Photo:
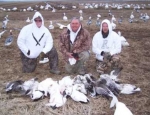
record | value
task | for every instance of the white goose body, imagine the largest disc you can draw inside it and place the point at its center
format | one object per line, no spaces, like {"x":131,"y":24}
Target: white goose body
{"x":76,"y":95}
{"x":43,"y":85}
{"x":56,"y":98}
{"x":129,"y":89}
{"x":121,"y":109}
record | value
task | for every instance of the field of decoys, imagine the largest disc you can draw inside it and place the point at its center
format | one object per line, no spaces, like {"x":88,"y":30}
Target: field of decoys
{"x":121,"y":92}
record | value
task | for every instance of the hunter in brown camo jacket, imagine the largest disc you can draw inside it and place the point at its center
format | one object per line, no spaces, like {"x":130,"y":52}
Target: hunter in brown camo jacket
{"x":82,"y":42}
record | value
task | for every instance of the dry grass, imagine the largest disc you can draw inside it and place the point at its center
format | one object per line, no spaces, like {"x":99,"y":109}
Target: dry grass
{"x":135,"y":59}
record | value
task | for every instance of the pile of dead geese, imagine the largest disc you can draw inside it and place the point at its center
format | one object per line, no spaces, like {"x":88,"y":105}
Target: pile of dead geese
{"x":77,"y":87}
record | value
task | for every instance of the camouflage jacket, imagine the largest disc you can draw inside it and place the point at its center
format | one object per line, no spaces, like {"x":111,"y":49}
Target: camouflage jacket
{"x":82,"y":42}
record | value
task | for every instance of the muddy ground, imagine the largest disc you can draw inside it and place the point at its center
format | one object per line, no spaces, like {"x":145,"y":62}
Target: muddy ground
{"x":135,"y":59}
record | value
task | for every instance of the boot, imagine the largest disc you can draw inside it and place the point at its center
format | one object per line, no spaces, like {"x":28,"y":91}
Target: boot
{"x":81,"y":68}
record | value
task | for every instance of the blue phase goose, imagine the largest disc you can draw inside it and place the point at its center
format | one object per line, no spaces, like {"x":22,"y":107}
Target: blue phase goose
{"x":9,"y":39}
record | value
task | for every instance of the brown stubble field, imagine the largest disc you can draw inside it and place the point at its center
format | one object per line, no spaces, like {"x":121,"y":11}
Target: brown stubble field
{"x":135,"y":59}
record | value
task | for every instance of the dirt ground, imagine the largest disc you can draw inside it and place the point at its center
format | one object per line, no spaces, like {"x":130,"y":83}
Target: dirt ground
{"x":135,"y":59}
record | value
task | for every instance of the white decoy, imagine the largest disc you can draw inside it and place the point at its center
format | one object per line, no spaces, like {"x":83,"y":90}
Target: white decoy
{"x":41,"y":7}
{"x":128,"y":89}
{"x":106,"y":6}
{"x":61,"y":26}
{"x":89,"y":21}
{"x":2,"y":33}
{"x":76,"y":95}
{"x":123,"y":40}
{"x":14,"y":9}
{"x":24,"y":10}
{"x":80,"y":11}
{"x":9,"y":39}
{"x":98,"y":23}
{"x":65,"y":17}
{"x":81,"y":17}
{"x":98,"y":15}
{"x":131,"y":16}
{"x":113,"y":25}
{"x":109,"y":13}
{"x":113,"y":18}
{"x":51,"y":26}
{"x":121,"y":109}
{"x":4,"y":23}
{"x":74,"y":7}
{"x":54,"y":10}
{"x":146,"y":16}
{"x":28,"y":20}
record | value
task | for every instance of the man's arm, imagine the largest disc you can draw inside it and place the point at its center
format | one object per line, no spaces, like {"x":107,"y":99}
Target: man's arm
{"x":21,"y":41}
{"x":62,"y":45}
{"x":95,"y":47}
{"x":49,"y":43}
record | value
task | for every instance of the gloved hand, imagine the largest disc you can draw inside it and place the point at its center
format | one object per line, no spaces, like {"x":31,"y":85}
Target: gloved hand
{"x":28,"y":53}
{"x":75,"y":55}
{"x":42,"y":55}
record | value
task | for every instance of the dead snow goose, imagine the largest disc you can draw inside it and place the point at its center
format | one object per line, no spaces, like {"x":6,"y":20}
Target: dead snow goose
{"x":14,"y":86}
{"x":128,"y":89}
{"x":121,"y":109}
{"x":76,"y":95}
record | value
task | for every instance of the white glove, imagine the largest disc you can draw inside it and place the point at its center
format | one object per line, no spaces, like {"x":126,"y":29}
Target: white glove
{"x":72,"y":61}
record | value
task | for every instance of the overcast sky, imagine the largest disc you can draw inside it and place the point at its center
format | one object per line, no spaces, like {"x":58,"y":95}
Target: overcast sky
{"x":38,"y":0}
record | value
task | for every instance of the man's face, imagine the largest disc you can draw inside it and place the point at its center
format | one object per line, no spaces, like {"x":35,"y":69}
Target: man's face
{"x":38,"y":22}
{"x":75,"y":24}
{"x":105,"y":27}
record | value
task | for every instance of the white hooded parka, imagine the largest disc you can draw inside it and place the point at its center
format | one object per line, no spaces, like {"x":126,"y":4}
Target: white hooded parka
{"x":110,"y":44}
{"x":26,"y":39}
